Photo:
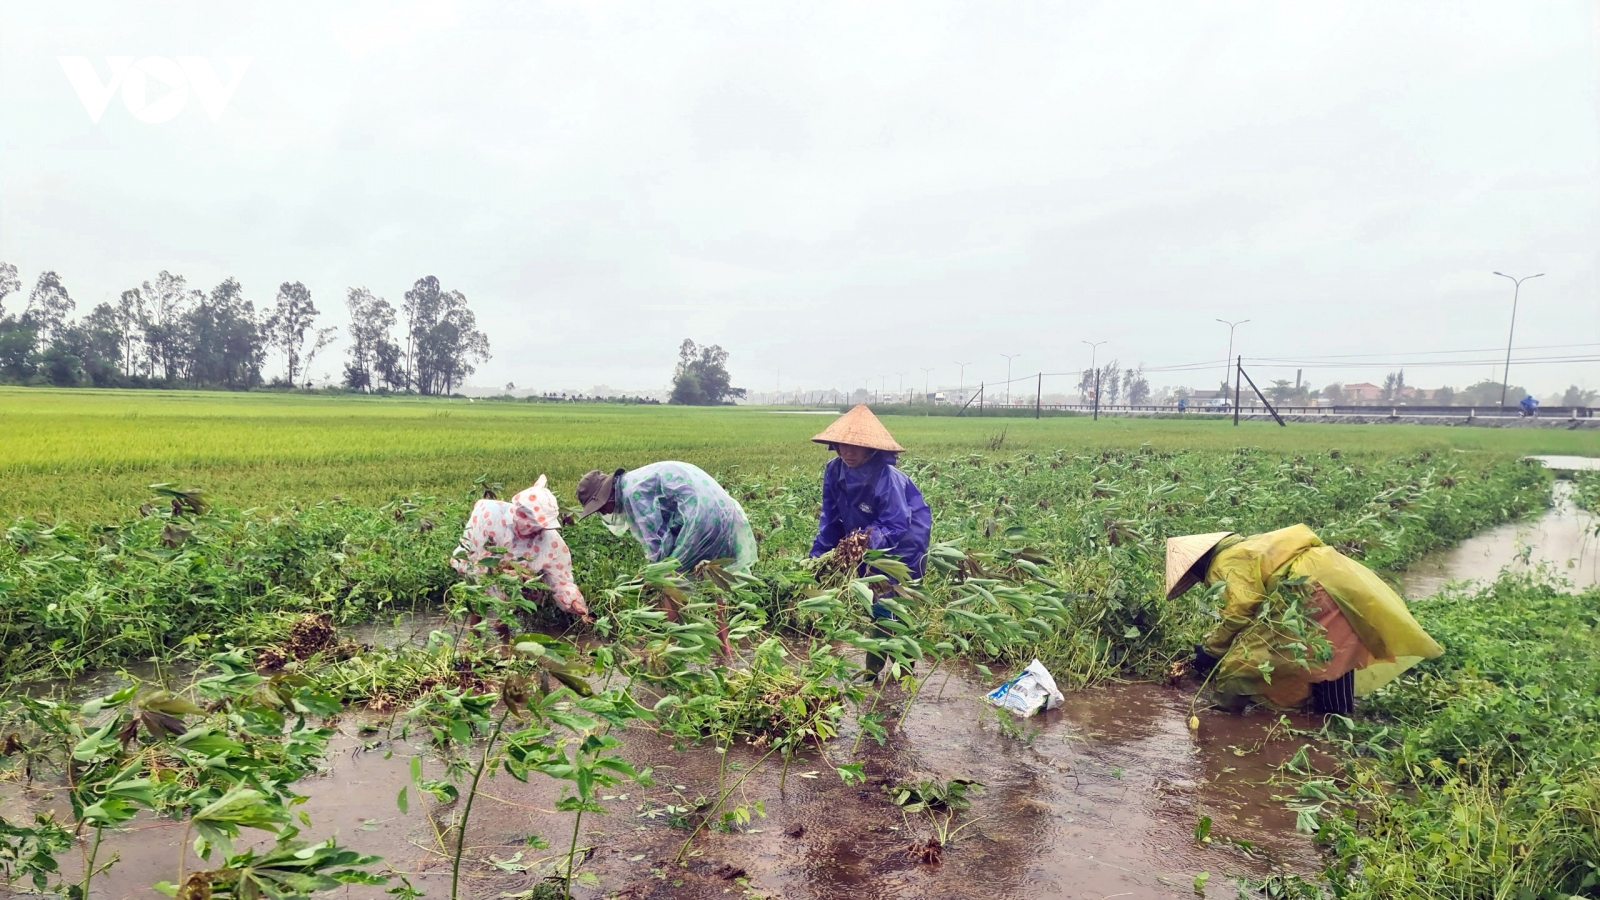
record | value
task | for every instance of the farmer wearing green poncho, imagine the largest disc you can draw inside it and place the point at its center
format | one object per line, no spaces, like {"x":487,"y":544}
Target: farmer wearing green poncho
{"x":1368,"y":627}
{"x":674,"y":510}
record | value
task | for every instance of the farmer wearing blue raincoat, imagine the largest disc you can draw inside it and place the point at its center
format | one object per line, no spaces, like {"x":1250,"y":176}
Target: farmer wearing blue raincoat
{"x":864,"y":491}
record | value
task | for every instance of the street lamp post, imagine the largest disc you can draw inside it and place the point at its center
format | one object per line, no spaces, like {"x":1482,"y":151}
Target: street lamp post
{"x":1505,"y":380}
{"x":902,"y":395}
{"x":1009,"y":357}
{"x":1229,"y":357}
{"x":1094,"y":348}
{"x":927,"y":372}
{"x":961,"y":382}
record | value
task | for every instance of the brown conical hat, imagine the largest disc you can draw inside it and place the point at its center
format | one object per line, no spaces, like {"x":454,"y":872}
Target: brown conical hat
{"x":861,"y":428}
{"x":1184,"y":555}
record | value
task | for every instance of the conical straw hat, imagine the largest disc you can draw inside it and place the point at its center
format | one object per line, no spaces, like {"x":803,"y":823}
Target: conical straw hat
{"x":1184,"y":555}
{"x":861,"y":428}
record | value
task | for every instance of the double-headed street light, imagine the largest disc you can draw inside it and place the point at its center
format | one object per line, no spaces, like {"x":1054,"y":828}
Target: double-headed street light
{"x":1228,"y":361}
{"x":1094,"y":348}
{"x":1505,"y":379}
{"x":1009,"y":357}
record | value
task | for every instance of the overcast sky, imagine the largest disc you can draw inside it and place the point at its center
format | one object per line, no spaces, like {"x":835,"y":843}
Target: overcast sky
{"x":845,"y":190}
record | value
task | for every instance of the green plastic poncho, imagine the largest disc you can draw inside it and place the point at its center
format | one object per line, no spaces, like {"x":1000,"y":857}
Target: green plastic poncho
{"x":1368,"y":624}
{"x":676,"y":510}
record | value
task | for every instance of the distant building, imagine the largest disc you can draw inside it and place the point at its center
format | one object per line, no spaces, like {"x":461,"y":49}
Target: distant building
{"x":1362,"y":392}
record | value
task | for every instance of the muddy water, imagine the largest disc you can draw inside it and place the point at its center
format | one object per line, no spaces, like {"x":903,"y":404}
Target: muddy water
{"x":1564,"y":541}
{"x":1097,"y":799}
{"x":1570,"y":463}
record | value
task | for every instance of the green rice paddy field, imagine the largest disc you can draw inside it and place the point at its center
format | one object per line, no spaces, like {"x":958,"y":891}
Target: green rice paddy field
{"x":91,"y":455}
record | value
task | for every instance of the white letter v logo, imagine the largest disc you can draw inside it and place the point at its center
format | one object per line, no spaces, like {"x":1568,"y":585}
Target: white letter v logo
{"x":94,"y":95}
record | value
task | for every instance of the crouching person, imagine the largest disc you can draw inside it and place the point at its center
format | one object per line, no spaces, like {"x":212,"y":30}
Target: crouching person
{"x":674,"y":510}
{"x":1371,"y":632}
{"x":525,"y":535}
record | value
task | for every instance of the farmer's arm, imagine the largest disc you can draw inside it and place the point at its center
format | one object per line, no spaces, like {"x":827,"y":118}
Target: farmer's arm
{"x":1243,"y":589}
{"x":647,"y":518}
{"x":471,"y":549}
{"x":902,"y":523}
{"x":557,"y":574}
{"x":891,"y":521}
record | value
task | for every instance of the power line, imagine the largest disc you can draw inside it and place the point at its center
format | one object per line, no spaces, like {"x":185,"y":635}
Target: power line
{"x":1418,"y":353}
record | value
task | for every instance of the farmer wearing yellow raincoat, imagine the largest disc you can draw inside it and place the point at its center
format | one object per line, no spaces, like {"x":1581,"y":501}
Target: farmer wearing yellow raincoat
{"x":1371,"y":632}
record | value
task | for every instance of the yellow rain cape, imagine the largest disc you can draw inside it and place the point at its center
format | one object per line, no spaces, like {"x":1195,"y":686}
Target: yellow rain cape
{"x":1251,"y":567}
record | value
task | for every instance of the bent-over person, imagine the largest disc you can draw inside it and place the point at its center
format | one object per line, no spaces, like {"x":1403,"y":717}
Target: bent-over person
{"x":1371,"y":632}
{"x":526,"y":534}
{"x":675,"y":511}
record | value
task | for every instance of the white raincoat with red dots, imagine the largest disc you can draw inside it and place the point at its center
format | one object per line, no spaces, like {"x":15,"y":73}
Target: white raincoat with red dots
{"x":525,"y":531}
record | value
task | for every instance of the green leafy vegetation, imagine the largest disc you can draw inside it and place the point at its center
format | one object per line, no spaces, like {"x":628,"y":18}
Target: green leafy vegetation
{"x":1476,"y":776}
{"x":1586,"y":491}
{"x":186,"y":580}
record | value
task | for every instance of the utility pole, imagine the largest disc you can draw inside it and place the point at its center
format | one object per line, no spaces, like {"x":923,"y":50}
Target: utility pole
{"x":927,"y":372}
{"x":1238,"y":376}
{"x":1229,"y":357}
{"x":1009,"y":357}
{"x":1505,"y":380}
{"x":961,"y":385}
{"x":902,"y":377}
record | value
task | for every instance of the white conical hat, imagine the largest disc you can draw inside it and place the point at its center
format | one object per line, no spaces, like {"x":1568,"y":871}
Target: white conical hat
{"x":1183,"y":557}
{"x":861,"y":428}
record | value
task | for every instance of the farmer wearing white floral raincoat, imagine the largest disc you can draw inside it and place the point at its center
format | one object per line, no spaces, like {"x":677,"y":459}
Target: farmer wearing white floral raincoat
{"x":525,"y":534}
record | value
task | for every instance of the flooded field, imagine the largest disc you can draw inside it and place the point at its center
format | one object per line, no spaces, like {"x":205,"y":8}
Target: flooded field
{"x":1097,"y":799}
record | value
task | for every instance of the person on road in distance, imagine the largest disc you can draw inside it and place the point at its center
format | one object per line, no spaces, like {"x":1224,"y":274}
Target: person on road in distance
{"x":675,"y":510}
{"x":1372,"y":634}
{"x":863,"y":490}
{"x":1529,"y":404}
{"x":526,"y":534}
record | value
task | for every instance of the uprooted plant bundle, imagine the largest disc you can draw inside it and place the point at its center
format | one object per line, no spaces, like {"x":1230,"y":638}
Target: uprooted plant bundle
{"x":1055,"y":556}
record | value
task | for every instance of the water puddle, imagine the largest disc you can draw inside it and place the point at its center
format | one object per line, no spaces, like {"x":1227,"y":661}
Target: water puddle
{"x":1565,"y":540}
{"x":1570,"y":463}
{"x":1097,"y":799}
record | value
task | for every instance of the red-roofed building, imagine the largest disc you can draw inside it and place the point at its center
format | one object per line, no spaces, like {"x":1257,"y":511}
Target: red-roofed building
{"x":1362,"y":392}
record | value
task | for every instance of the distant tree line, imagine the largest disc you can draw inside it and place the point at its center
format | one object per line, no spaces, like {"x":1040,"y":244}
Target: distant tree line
{"x":165,"y":334}
{"x":1115,"y":384}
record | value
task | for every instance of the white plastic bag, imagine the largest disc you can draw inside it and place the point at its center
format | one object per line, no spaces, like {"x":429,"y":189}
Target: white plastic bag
{"x":1028,"y":693}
